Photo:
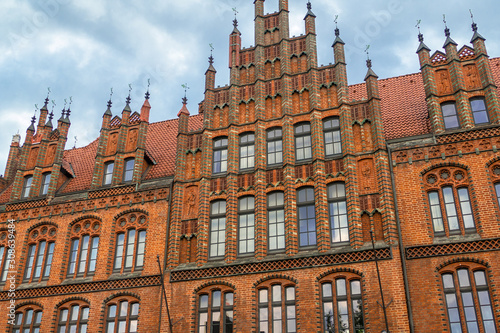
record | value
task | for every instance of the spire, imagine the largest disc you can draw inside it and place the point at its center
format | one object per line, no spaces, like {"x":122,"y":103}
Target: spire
{"x":32,"y":126}
{"x":476,"y":35}
{"x":337,"y":33}
{"x":146,"y":96}
{"x":422,"y":45}
{"x":63,"y":114}
{"x":235,"y":22}
{"x":309,"y":11}
{"x":211,"y":60}
{"x":128,"y":99}
{"x":68,"y":111}
{"x":184,"y":109}
{"x":449,"y":40}
{"x":370,"y":71}
{"x":146,"y":107}
{"x":108,"y":110}
{"x":46,"y":101}
{"x":51,"y":116}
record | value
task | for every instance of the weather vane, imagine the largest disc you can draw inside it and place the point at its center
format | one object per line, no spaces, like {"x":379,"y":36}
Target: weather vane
{"x":149,"y":83}
{"x":336,"y":19}
{"x":76,"y":139}
{"x":65,"y":102}
{"x":418,"y":25}
{"x":36,"y":108}
{"x":129,"y":88}
{"x":185,"y":86}
{"x":471,"y":15}
{"x":366,"y":51}
{"x":70,"y":101}
{"x":211,"y":47}
{"x":444,"y":20}
{"x":235,"y":11}
{"x":48,"y":92}
{"x":111,"y":94}
{"x":53,"y":105}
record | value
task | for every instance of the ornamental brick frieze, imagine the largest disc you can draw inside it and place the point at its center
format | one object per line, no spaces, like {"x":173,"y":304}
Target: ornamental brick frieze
{"x":42,"y":209}
{"x":416,"y":252}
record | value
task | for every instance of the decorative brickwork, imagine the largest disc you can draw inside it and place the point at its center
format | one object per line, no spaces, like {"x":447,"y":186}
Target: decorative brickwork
{"x":454,"y":248}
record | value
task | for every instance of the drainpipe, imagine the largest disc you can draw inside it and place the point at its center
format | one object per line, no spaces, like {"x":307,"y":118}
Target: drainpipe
{"x":401,"y":247}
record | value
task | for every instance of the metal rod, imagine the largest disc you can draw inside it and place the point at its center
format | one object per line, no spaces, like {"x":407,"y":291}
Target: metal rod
{"x":164,"y":293}
{"x":379,"y":282}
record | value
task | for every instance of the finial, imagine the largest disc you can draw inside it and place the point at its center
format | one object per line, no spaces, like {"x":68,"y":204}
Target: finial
{"x":53,"y":105}
{"x":309,"y":6}
{"x":337,"y":31}
{"x":68,"y":111}
{"x":76,"y":140}
{"x":147,"y":92}
{"x":235,"y":21}
{"x":33,"y":119}
{"x":109,"y":102}
{"x":211,"y":58}
{"x":129,"y":90}
{"x":51,"y":115}
{"x":420,"y":36}
{"x":474,"y":25}
{"x":185,"y":86}
{"x":47,"y":98}
{"x":446,"y":30}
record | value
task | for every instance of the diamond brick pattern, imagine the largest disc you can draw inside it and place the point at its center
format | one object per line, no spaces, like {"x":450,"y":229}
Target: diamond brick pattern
{"x":27,"y":205}
{"x":252,"y":268}
{"x":469,"y":135}
{"x":455,"y":248}
{"x":143,"y":281}
{"x":111,"y":192}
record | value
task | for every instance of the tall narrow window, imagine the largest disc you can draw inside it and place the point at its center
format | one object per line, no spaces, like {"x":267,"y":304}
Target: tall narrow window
{"x":497,"y":189}
{"x":73,"y":317}
{"x":40,"y":254}
{"x":337,"y":207}
{"x":83,"y":248}
{"x":215,"y":312}
{"x":130,"y":244}
{"x":217,"y":228}
{"x":108,"y":173}
{"x":247,"y":151}
{"x":306,"y":216}
{"x":5,"y":256}
{"x":274,"y":146}
{"x":450,"y":116}
{"x":45,"y":183}
{"x":28,"y":180}
{"x":342,"y":306}
{"x":303,"y":145}
{"x":128,"y":169}
{"x":28,"y":320}
{"x":122,"y":316}
{"x":220,"y":156}
{"x":464,"y":308}
{"x":449,"y":201}
{"x":246,"y":225}
{"x":331,"y":131}
{"x":276,"y":221}
{"x":479,"y":111}
{"x":277,"y":309}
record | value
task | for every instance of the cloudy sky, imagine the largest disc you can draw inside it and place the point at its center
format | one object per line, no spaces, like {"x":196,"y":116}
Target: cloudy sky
{"x":82,"y":48}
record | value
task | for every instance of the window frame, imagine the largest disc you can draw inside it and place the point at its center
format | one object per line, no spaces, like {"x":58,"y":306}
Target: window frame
{"x":247,"y":142}
{"x":80,"y":259}
{"x":246,"y":214}
{"x":332,"y":130}
{"x":476,"y":112}
{"x":107,"y":177}
{"x":277,"y":301}
{"x":115,"y":317}
{"x":39,"y":258}
{"x":27,"y":186}
{"x":272,"y":141}
{"x":65,"y":317}
{"x":44,"y":186}
{"x":301,"y":134}
{"x":128,"y":173}
{"x":225,"y":310}
{"x":336,"y":214}
{"x":271,"y":210}
{"x":221,"y":231}
{"x":220,"y":148}
{"x":130,"y":248}
{"x":21,"y":318}
{"x":453,"y":114}
{"x":307,"y":204}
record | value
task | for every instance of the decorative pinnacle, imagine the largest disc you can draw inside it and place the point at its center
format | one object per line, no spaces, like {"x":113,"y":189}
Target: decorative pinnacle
{"x":446,"y":30}
{"x":337,"y":31}
{"x":147,"y":92}
{"x":47,"y":98}
{"x":235,"y":21}
{"x":211,"y":60}
{"x":309,"y":6}
{"x":128,"y":99}
{"x":109,"y":102}
{"x":51,"y":115}
{"x":185,"y":86}
{"x":53,"y":105}
{"x":474,"y":25}
{"x":33,"y":119}
{"x":368,"y":54}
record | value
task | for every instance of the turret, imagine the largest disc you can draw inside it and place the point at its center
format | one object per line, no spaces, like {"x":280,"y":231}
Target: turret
{"x":146,"y":107}
{"x":234,"y":51}
{"x":183,"y":117}
{"x":340,"y":68}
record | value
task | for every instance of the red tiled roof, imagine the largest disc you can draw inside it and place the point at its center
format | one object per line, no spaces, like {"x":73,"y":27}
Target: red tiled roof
{"x":82,"y":162}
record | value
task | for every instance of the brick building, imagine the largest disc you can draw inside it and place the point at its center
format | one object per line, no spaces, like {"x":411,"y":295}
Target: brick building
{"x":293,"y":202}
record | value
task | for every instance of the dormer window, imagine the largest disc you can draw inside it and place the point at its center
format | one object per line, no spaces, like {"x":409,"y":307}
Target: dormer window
{"x":450,"y":116}
{"x":45,"y":183}
{"x":28,"y":180}
{"x":479,"y":111}
{"x":128,"y":170}
{"x":108,"y":173}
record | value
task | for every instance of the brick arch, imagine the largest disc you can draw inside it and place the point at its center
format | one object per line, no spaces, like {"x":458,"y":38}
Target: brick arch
{"x":40,"y":224}
{"x":213,"y":283}
{"x":444,"y":164}
{"x":28,"y":303}
{"x":492,"y":161}
{"x":120,"y":294}
{"x":274,"y":277}
{"x":339,"y":270}
{"x":128,"y":211}
{"x":81,"y":218}
{"x":71,"y":299}
{"x":464,"y":260}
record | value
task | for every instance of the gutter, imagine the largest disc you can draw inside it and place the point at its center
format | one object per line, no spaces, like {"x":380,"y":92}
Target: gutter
{"x":401,"y":247}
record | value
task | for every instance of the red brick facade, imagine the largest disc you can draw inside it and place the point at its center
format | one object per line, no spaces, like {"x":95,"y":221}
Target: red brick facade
{"x":293,"y":202}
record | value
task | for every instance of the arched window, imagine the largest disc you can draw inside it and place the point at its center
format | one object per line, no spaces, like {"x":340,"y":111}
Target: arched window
{"x":130,"y":242}
{"x":276,"y":221}
{"x":331,"y":133}
{"x":468,"y":300}
{"x":41,"y":243}
{"x":449,"y":201}
{"x":122,"y":315}
{"x":274,"y":146}
{"x":337,"y":209}
{"x":276,"y":303}
{"x":217,"y":228}
{"x":306,"y":216}
{"x":247,"y":151}
{"x":28,"y":180}
{"x":342,"y":304}
{"x":72,"y":317}
{"x":220,"y":155}
{"x":5,"y":255}
{"x":108,"y":173}
{"x":246,"y":225}
{"x":84,"y":247}
{"x":303,"y":144}
{"x":28,"y":319}
{"x":450,"y":116}
{"x":45,"y":183}
{"x":215,"y":311}
{"x":128,"y":169}
{"x":479,"y":110}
